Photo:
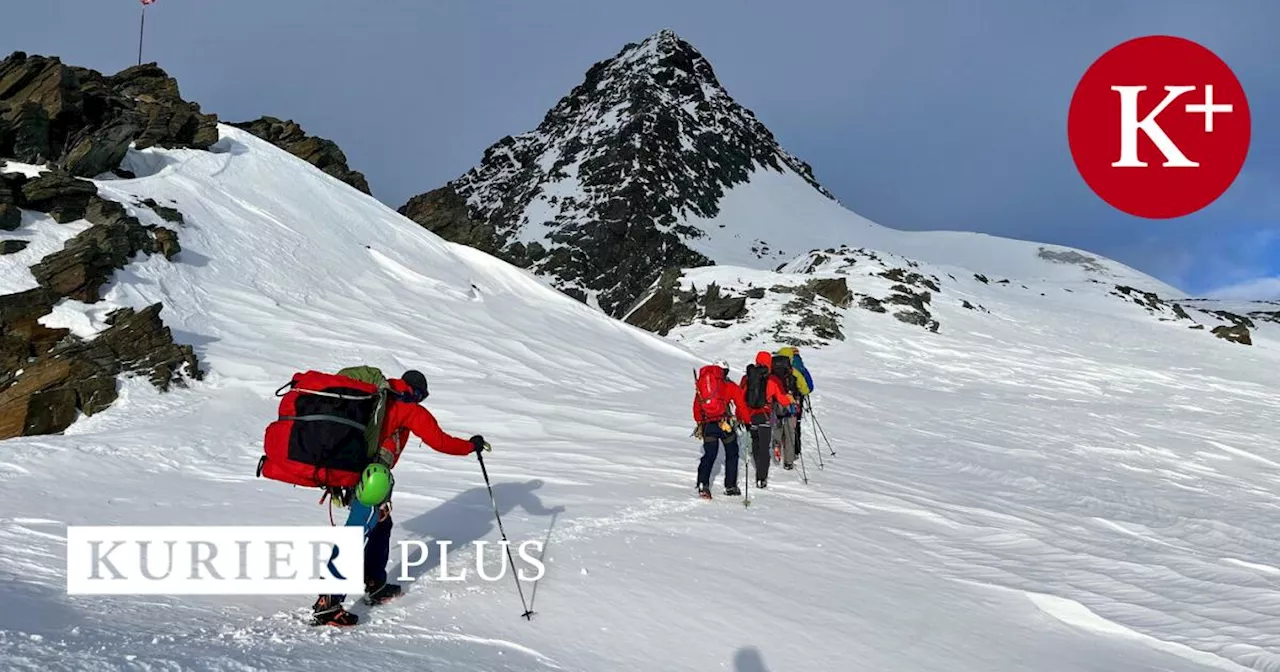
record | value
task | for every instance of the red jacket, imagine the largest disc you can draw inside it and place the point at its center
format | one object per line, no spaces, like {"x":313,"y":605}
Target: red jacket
{"x":404,"y":417}
{"x":774,"y":392}
{"x":732,"y":395}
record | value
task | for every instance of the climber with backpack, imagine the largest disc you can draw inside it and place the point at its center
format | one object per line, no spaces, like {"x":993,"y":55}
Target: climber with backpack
{"x":344,"y":433}
{"x":784,"y":437}
{"x":760,"y":393}
{"x":804,"y":386}
{"x":712,"y":400}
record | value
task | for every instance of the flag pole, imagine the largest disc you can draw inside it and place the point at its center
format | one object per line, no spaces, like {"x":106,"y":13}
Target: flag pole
{"x":142,"y":25}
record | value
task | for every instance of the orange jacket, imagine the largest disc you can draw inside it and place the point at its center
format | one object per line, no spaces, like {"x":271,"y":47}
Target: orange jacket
{"x":732,"y":395}
{"x":775,"y":391}
{"x":404,"y":417}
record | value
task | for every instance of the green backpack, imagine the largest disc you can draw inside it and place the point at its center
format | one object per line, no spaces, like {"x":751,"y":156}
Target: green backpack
{"x":374,"y":376}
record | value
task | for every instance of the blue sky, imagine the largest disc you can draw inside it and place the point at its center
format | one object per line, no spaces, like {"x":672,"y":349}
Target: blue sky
{"x":938,"y":114}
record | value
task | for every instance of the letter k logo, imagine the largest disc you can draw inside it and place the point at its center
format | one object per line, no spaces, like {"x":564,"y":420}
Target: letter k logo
{"x":1159,"y":127}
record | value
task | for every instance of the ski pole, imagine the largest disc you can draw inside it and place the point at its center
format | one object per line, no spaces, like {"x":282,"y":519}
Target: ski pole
{"x":528,"y":615}
{"x":803,"y":474}
{"x":746,"y":497}
{"x":818,"y":427}
{"x":824,"y":435}
{"x":800,"y":432}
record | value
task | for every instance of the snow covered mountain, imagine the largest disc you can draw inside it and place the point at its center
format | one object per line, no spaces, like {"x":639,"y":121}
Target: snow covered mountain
{"x":598,"y":195}
{"x":650,"y":164}
{"x":1050,"y":482}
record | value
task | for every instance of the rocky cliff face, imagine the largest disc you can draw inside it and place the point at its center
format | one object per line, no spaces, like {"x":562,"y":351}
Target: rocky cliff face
{"x":47,"y":375}
{"x":83,"y":122}
{"x":78,"y":123}
{"x":599,"y":196}
{"x":319,"y":152}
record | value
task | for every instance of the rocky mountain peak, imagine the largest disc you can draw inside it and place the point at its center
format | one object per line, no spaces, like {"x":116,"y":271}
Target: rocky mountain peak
{"x":599,"y":197}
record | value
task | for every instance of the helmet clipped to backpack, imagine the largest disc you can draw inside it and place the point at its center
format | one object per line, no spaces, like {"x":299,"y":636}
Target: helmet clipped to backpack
{"x":376,"y":483}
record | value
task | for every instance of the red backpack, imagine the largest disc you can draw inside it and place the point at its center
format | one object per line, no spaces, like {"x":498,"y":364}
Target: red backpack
{"x":711,"y":397}
{"x":319,"y":438}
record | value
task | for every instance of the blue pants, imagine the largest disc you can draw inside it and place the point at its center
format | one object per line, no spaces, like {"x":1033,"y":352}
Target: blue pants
{"x":377,"y":543}
{"x":712,"y":436}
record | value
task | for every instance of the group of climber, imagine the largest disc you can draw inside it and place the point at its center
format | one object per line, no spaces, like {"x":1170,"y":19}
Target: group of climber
{"x":769,"y":401}
{"x":344,"y":432}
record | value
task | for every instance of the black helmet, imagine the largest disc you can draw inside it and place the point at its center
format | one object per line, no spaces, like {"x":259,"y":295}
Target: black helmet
{"x":416,"y":381}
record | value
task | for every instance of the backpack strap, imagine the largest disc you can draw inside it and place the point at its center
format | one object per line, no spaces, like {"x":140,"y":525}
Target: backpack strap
{"x":329,"y":418}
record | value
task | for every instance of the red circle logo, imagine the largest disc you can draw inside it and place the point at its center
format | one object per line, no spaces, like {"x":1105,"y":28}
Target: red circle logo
{"x":1159,"y":127}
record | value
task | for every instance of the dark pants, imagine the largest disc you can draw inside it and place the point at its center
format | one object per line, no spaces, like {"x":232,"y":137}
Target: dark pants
{"x":712,"y":437}
{"x":761,"y":440}
{"x":377,"y":546}
{"x":377,"y":549}
{"x":799,"y":424}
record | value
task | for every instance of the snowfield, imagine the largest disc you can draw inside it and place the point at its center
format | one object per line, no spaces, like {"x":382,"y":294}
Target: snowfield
{"x":1062,"y":483}
{"x":781,"y":207}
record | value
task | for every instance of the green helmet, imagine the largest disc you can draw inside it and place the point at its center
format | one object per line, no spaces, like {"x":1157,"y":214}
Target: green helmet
{"x":375,"y":485}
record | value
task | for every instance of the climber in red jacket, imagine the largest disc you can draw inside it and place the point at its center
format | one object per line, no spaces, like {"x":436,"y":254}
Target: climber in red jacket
{"x":761,"y":419}
{"x":404,"y":415}
{"x":712,"y":412}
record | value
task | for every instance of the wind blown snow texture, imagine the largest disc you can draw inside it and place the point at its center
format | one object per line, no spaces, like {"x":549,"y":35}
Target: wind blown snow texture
{"x":1048,"y":490}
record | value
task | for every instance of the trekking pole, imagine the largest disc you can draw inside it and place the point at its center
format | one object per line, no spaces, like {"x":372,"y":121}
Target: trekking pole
{"x":800,"y":430}
{"x":746,"y":493}
{"x":803,"y":474}
{"x":528,"y":615}
{"x":824,"y":434}
{"x":818,"y":428}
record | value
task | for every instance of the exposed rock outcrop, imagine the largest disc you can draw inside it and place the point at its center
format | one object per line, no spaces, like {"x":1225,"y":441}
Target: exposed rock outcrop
{"x":84,"y":122}
{"x":1236,"y":334}
{"x":77,"y":376}
{"x":49,"y":377}
{"x":444,"y":212}
{"x":63,"y":197}
{"x":88,"y":260}
{"x":319,"y":152}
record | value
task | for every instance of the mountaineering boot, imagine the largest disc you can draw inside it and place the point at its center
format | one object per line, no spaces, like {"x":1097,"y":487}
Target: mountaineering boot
{"x":732,"y":490}
{"x":328,"y":611}
{"x":762,"y":483}
{"x":381,"y":594}
{"x":704,"y":492}
{"x":789,"y":466}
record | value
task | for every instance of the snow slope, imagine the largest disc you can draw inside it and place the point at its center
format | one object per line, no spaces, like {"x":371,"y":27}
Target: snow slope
{"x":778,"y":215}
{"x":1047,"y":491}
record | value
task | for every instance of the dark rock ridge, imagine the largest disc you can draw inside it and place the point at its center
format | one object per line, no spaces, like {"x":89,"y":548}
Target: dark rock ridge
{"x":1237,"y":333}
{"x":596,"y":197}
{"x":807,"y":305}
{"x":319,"y":152}
{"x":48,"y":376}
{"x":1170,"y":311}
{"x":83,"y":122}
{"x":669,"y":306}
{"x":77,"y":376}
{"x":808,"y":310}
